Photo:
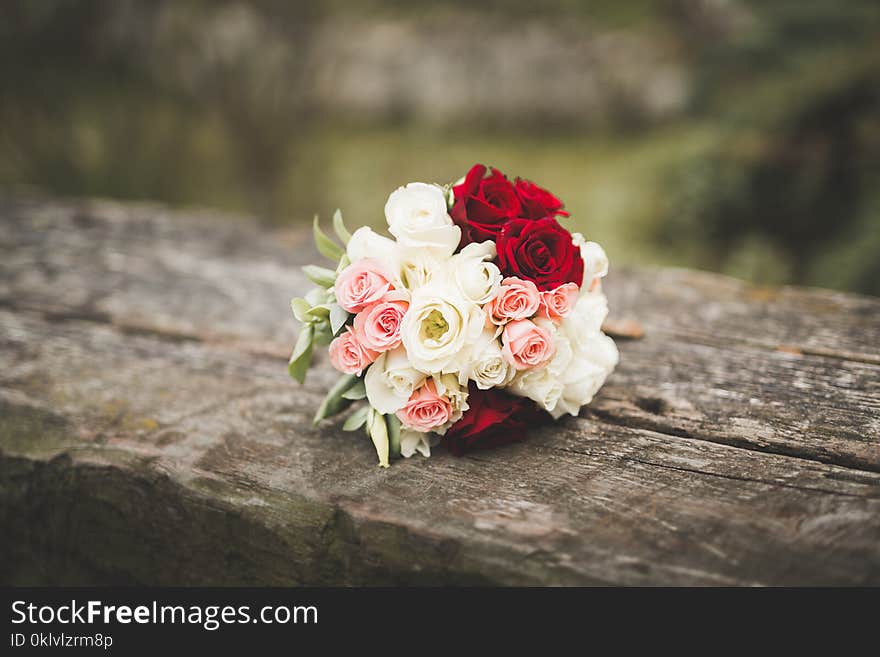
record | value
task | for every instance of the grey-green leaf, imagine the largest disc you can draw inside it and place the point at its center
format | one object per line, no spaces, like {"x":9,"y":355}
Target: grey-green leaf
{"x":338,"y":317}
{"x":357,"y":391}
{"x":320,"y":275}
{"x":334,"y":401}
{"x":319,"y":313}
{"x":356,"y":420}
{"x":393,"y":424}
{"x":326,"y":246}
{"x":378,"y":431}
{"x":301,"y":357}
{"x":315,"y":296}
{"x":344,"y":262}
{"x":300,"y":307}
{"x":322,"y":333}
{"x":339,"y":227}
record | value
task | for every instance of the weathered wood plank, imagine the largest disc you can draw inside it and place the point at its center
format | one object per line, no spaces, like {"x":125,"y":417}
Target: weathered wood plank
{"x":167,"y":448}
{"x":721,"y":360}
{"x":712,"y":309}
{"x":149,"y":434}
{"x":744,"y":395}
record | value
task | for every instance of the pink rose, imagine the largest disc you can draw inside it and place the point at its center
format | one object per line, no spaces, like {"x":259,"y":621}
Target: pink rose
{"x":361,"y":283}
{"x":348,"y":355}
{"x":378,"y":325}
{"x":525,"y":344}
{"x":557,"y":303}
{"x":515,"y":299}
{"x":425,"y":410}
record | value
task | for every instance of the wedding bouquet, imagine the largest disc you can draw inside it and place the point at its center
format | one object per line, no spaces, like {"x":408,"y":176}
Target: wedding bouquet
{"x":480,"y":317}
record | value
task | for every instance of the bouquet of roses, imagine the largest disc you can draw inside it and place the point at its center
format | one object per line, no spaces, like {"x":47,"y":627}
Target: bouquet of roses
{"x":481,"y":317}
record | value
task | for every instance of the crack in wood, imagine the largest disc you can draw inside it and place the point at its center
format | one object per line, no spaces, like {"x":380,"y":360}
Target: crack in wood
{"x":730,"y":441}
{"x":706,"y":473}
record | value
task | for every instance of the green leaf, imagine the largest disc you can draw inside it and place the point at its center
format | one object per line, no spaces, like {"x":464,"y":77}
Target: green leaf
{"x":339,"y":227}
{"x":322,"y":333}
{"x":449,"y":192}
{"x":320,"y":275}
{"x":378,"y":431}
{"x":326,"y":246}
{"x":301,"y":357}
{"x":334,"y":401}
{"x":319,"y":313}
{"x":316,"y":296}
{"x":344,"y":262}
{"x":393,"y":424}
{"x":357,"y":391}
{"x":357,"y":419}
{"x":338,"y":317}
{"x":300,"y":307}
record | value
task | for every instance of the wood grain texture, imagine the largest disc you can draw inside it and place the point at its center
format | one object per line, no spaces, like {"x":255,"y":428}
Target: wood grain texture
{"x":149,"y":432}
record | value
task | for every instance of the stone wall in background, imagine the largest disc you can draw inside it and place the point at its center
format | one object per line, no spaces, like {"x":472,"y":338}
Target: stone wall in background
{"x":536,"y":71}
{"x":438,"y":68}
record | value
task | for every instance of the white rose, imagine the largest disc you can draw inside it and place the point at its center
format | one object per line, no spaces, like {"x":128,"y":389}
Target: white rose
{"x":588,"y":355}
{"x":417,"y":217}
{"x":416,"y":441}
{"x":595,"y":260}
{"x":477,"y":279}
{"x":390,"y":381}
{"x":438,"y":328}
{"x":486,"y":366}
{"x":418,"y":267}
{"x":562,"y":358}
{"x":588,"y":314}
{"x":538,"y":384}
{"x":593,"y":359}
{"x":365,"y":243}
{"x":447,"y":385}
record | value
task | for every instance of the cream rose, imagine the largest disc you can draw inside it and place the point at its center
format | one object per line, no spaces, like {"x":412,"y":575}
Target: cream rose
{"x":595,"y":262}
{"x":476,"y":277}
{"x":539,"y":385}
{"x":588,"y":314}
{"x":486,"y":365}
{"x":365,"y":243}
{"x":439,"y":327}
{"x":390,"y":381}
{"x":417,"y":217}
{"x":594,"y":356}
{"x":415,"y":268}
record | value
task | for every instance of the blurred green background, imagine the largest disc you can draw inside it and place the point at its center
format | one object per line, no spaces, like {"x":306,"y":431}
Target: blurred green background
{"x":738,"y":136}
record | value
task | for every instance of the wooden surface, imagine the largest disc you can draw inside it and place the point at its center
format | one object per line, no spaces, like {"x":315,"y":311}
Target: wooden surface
{"x":149,"y":432}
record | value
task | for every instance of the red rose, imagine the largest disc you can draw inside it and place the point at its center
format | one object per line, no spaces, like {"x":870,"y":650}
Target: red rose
{"x":540,"y":251}
{"x":483,"y":204}
{"x":494,"y":418}
{"x":537,"y":202}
